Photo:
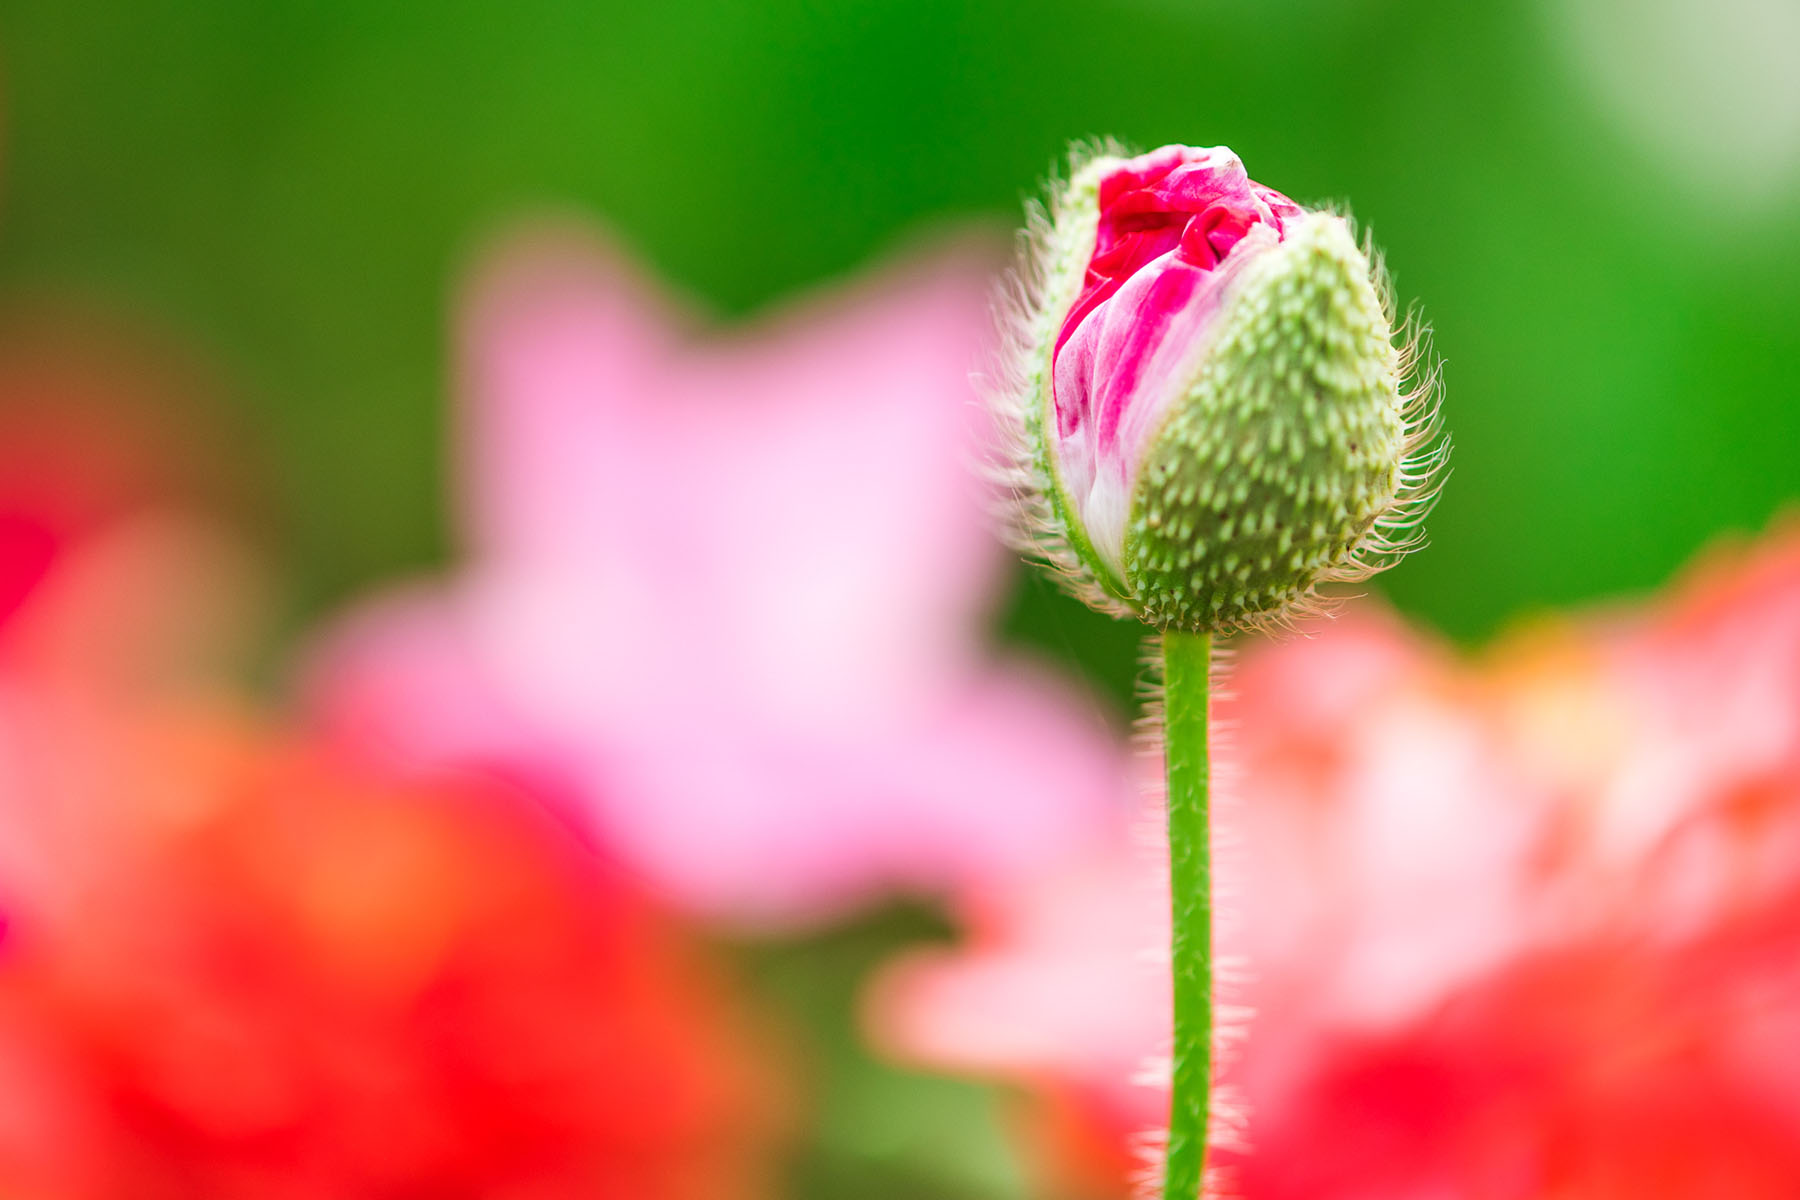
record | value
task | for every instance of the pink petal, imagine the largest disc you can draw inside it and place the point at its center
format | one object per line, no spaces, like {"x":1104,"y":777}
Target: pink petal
{"x":730,"y":592}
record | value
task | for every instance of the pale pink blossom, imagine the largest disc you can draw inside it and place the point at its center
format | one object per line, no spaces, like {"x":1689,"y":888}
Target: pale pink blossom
{"x":727,"y":591}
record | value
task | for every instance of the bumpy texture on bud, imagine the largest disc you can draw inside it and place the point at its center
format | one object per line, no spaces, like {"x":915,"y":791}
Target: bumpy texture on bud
{"x":1209,"y":413}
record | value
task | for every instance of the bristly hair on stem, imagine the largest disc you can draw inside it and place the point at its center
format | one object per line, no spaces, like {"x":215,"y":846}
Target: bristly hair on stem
{"x":1284,"y":433}
{"x":1226,"y":1115}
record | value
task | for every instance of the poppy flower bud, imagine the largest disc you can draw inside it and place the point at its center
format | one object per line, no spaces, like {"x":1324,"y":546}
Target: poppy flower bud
{"x":1209,"y":412}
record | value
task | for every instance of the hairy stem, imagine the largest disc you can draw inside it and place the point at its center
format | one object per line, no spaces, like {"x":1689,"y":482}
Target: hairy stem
{"x":1187,"y":661}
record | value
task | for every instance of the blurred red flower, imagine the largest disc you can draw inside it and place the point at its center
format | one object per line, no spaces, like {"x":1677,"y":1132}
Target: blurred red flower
{"x":1522,"y":927}
{"x":301,"y":980}
{"x":241,"y":965}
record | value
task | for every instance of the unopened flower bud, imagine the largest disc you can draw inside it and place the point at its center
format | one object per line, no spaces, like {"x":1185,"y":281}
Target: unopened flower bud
{"x":1209,"y":408}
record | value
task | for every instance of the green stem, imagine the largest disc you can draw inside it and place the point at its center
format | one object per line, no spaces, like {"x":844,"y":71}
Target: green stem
{"x":1187,"y":662}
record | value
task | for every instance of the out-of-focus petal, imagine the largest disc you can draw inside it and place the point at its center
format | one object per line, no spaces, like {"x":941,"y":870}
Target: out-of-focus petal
{"x":1517,"y":927}
{"x":242,"y":966}
{"x":729,"y":592}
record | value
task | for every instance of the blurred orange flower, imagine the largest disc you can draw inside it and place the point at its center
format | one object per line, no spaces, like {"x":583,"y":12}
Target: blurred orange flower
{"x":1523,"y":927}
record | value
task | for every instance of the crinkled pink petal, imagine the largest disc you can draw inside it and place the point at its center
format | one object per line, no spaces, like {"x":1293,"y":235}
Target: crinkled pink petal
{"x":1168,"y":222}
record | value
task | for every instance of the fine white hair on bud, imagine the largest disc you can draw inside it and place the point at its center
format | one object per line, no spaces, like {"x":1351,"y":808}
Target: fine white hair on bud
{"x":1208,"y":412}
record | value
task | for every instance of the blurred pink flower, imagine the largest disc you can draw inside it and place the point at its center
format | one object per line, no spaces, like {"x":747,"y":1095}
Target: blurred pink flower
{"x":727,"y":593}
{"x":1525,"y":927}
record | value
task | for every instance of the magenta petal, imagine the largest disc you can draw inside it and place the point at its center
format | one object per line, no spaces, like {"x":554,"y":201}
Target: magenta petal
{"x":1168,"y":221}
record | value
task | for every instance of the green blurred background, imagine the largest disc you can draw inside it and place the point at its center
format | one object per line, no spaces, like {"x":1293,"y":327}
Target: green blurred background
{"x":1597,"y":204}
{"x":292,"y":186}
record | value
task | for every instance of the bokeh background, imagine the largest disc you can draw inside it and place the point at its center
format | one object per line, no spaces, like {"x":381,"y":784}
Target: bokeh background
{"x":1593,"y":201}
{"x":1596,"y":204}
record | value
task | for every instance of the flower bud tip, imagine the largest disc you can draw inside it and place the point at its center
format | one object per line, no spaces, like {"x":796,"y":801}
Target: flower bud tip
{"x":1207,"y":410}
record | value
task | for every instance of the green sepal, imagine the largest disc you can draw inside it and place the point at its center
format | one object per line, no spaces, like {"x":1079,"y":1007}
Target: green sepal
{"x":1273,"y":467}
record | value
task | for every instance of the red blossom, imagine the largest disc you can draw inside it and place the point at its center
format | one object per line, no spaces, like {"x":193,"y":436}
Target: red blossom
{"x":1523,"y":927}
